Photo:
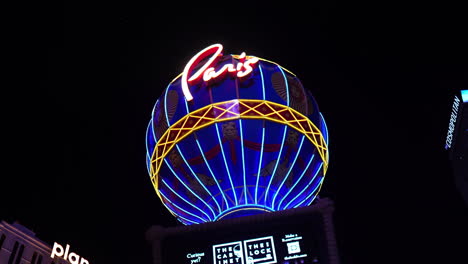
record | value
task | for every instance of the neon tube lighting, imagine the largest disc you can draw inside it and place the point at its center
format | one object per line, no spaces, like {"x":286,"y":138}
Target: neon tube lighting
{"x":464,"y":95}
{"x":277,"y":163}
{"x":189,"y":189}
{"x":289,"y":171}
{"x":305,"y":188}
{"x":260,"y":162}
{"x":243,"y":161}
{"x":185,"y":200}
{"x":311,"y":194}
{"x":297,"y":181}
{"x":199,"y":181}
{"x":181,"y":209}
{"x":225,"y":163}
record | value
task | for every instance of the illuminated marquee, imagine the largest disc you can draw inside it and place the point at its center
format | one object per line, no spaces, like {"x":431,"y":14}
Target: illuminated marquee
{"x":242,"y":70}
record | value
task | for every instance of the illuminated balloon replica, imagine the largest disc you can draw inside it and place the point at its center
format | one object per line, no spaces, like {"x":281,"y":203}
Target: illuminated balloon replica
{"x":235,"y":135}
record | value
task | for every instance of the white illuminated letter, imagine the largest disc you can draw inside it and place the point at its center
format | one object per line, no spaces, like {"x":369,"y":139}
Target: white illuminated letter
{"x":248,"y":68}
{"x":66,"y":251}
{"x":214,"y":49}
{"x":84,"y":261}
{"x":73,"y":258}
{"x":57,"y":250}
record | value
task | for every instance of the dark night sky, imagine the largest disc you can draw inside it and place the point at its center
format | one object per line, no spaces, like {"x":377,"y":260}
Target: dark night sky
{"x":86,"y":76}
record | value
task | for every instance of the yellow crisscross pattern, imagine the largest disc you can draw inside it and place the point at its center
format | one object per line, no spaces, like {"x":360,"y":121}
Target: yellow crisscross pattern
{"x":231,"y":110}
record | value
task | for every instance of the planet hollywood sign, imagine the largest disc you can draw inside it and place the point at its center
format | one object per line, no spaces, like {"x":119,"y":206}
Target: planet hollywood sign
{"x":72,"y":257}
{"x":208,"y":73}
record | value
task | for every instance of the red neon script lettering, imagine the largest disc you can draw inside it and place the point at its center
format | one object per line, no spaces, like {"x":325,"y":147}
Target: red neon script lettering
{"x":207,"y":73}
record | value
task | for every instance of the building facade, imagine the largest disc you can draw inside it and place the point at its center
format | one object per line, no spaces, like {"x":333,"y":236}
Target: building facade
{"x":19,"y":245}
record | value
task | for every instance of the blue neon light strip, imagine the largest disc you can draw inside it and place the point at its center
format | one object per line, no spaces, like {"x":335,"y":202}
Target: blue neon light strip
{"x":148,"y":157}
{"x":287,"y":85}
{"x":464,"y":95}
{"x":211,"y":172}
{"x":185,"y":200}
{"x":284,"y":135}
{"x":243,"y":161}
{"x":244,"y":205}
{"x":263,"y":135}
{"x":263,"y":82}
{"x":181,"y":209}
{"x":154,"y":107}
{"x":171,"y":210}
{"x":165,"y":105}
{"x":190,"y":190}
{"x":225,"y":163}
{"x":312,"y":193}
{"x":180,"y":153}
{"x":289,"y":171}
{"x":146,"y":141}
{"x":276,"y":165}
{"x":311,"y":201}
{"x":325,"y":130}
{"x":200,"y":182}
{"x":208,"y":165}
{"x":297,"y":181}
{"x":305,"y":188}
{"x":260,"y":162}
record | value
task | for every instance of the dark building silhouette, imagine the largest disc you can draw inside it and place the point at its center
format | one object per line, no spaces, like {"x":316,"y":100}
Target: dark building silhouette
{"x":457,"y":141}
{"x":293,"y":236}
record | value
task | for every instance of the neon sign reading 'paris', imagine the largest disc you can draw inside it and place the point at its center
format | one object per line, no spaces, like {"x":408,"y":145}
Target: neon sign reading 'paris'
{"x":208,"y":73}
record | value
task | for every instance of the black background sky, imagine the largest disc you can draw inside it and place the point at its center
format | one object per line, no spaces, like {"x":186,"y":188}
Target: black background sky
{"x":85,"y":76}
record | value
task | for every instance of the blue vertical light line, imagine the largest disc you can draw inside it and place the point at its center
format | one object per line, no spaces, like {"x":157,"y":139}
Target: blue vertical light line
{"x":188,"y":188}
{"x":146,"y":141}
{"x":154,"y":135}
{"x":263,"y":82}
{"x":165,"y":105}
{"x":312,"y":193}
{"x":277,"y":163}
{"x":200,"y":182}
{"x":225,"y":163}
{"x":284,"y":136}
{"x":305,"y":188}
{"x":211,"y":172}
{"x":185,"y":200}
{"x":171,"y":210}
{"x":260,"y":162}
{"x":177,"y":215}
{"x":148,"y":157}
{"x":297,"y":181}
{"x":263,"y":134}
{"x":289,"y":171}
{"x":243,"y":161}
{"x":313,"y":198}
{"x":286,"y":84}
{"x":182,"y":155}
{"x":326,"y":128}
{"x":207,"y":164}
{"x":181,"y":209}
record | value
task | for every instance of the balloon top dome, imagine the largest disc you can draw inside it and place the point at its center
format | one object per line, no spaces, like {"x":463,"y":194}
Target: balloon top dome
{"x":235,"y":135}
